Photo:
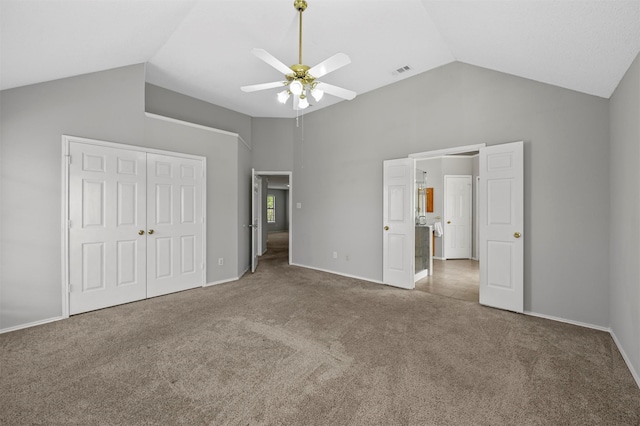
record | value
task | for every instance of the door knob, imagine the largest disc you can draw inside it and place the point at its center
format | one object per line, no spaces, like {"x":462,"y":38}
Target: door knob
{"x":517,"y":235}
{"x":386,"y":228}
{"x":141,"y":232}
{"x":151,"y":231}
{"x":448,"y":222}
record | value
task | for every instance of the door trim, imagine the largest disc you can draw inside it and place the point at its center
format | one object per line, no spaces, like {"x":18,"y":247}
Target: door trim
{"x":64,"y":226}
{"x":289,"y":202}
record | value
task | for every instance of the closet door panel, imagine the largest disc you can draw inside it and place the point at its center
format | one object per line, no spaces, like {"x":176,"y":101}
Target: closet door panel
{"x":107,"y":210}
{"x":174,"y":205}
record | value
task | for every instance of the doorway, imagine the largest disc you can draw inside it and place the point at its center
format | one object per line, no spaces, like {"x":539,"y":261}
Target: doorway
{"x":501,"y":212}
{"x":455,"y":270}
{"x":272,"y":219}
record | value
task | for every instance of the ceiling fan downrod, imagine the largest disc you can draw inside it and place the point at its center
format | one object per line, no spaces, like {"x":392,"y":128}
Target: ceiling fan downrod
{"x":301,"y":6}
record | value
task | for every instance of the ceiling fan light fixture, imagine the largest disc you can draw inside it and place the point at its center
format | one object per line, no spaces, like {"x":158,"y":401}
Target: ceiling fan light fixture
{"x":300,"y":78}
{"x":283,"y":96}
{"x":296,"y":87}
{"x":303,"y":102}
{"x":317,"y":94}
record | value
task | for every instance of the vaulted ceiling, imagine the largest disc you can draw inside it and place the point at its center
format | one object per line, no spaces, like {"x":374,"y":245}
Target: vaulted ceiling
{"x":202,"y":48}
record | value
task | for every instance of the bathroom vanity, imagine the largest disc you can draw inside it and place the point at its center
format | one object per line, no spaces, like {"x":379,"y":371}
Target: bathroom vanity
{"x":423,"y":251}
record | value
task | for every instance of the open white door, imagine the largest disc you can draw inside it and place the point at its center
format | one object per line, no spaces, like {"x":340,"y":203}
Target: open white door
{"x":255,"y":214}
{"x":501,"y":226}
{"x":398,"y":233}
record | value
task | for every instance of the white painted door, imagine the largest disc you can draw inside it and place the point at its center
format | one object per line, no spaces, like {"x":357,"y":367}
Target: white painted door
{"x":174,"y":224}
{"x":398,"y":232}
{"x":107,"y":214}
{"x":255,"y":215}
{"x":457,"y":216}
{"x":501,"y":227}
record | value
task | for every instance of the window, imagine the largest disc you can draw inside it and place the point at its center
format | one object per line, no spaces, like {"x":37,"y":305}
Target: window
{"x":271,"y":208}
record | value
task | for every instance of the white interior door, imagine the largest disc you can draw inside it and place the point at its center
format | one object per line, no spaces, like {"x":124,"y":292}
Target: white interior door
{"x":107,"y":224}
{"x":175,"y":224}
{"x":398,"y":232}
{"x":255,"y":215}
{"x":501,"y":226}
{"x":457,"y":215}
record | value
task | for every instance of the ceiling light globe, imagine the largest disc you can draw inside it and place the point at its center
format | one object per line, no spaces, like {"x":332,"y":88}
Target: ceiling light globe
{"x":283,"y":96}
{"x":295,"y":87}
{"x":317,"y":94}
{"x":303,"y":103}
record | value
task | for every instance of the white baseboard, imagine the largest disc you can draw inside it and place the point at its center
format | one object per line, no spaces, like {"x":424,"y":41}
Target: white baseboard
{"x":634,"y":373}
{"x":338,"y":273}
{"x":31,"y":324}
{"x":438,"y":258}
{"x":568,"y":321}
{"x":227,"y":280}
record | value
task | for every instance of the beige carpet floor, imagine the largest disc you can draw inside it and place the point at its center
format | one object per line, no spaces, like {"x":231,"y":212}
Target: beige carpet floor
{"x":291,"y":346}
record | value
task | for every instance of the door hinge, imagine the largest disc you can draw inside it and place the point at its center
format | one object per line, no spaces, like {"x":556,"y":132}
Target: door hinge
{"x":68,"y":159}
{"x":69,"y":224}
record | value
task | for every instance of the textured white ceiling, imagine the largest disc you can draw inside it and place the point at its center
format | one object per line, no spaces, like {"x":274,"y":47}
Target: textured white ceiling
{"x":202,"y":48}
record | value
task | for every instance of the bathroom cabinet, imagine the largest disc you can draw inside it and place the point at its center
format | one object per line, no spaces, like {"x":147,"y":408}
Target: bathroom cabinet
{"x":423,"y":251}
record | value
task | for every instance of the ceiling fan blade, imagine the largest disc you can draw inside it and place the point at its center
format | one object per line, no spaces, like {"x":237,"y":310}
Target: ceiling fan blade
{"x":338,"y":60}
{"x":263,"y":86}
{"x":271,"y":60}
{"x":336,"y":91}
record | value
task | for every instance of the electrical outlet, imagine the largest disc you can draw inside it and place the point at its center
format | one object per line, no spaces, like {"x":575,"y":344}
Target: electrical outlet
{"x":220,"y":261}
{"x":335,"y":254}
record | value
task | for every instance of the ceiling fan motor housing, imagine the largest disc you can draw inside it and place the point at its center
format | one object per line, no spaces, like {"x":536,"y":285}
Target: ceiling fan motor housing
{"x":300,"y":5}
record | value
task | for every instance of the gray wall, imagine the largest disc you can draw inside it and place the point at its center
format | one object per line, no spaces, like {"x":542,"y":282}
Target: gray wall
{"x":161,"y":101}
{"x":273,"y":144}
{"x":566,"y":137}
{"x":282,"y":206}
{"x":107,"y":106}
{"x":624,"y":275}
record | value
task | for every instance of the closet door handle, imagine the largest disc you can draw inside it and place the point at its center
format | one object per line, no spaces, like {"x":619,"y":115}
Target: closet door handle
{"x":151,"y":231}
{"x":141,"y":232}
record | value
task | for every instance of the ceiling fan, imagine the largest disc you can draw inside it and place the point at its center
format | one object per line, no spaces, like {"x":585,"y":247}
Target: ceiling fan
{"x":301,"y":80}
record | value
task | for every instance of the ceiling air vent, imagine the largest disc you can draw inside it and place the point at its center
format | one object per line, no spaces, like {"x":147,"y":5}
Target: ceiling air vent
{"x":401,"y":70}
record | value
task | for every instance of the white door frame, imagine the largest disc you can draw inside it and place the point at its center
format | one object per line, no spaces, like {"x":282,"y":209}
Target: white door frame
{"x":64,"y":228}
{"x":476,"y":220}
{"x":289,"y":174}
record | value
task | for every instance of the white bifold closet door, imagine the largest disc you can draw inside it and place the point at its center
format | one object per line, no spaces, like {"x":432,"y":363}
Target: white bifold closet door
{"x":135,"y":225}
